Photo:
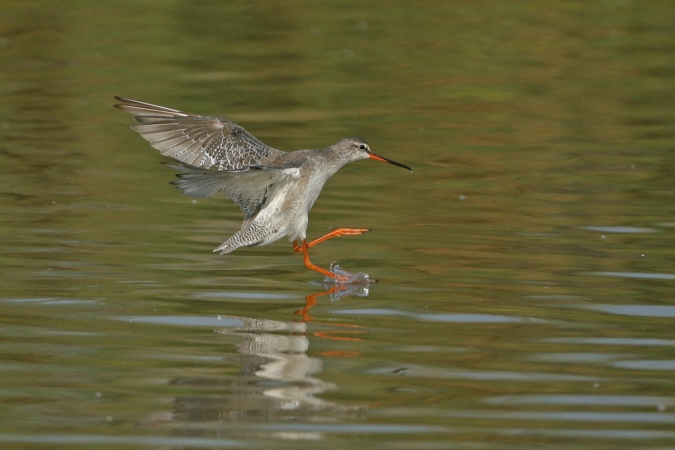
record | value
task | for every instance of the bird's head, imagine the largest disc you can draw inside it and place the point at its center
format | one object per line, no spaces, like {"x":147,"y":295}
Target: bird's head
{"x":355,"y":149}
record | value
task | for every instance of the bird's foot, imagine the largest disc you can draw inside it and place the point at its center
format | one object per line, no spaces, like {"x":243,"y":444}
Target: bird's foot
{"x":349,"y":231}
{"x":339,"y":276}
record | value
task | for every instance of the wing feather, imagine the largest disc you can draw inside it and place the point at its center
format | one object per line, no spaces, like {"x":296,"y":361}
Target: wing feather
{"x":197,"y":140}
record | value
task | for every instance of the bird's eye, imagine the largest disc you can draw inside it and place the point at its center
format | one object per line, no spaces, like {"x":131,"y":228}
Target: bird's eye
{"x":363,"y":147}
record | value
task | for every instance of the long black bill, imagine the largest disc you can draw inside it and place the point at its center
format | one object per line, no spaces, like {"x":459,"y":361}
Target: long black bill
{"x":383,"y":159}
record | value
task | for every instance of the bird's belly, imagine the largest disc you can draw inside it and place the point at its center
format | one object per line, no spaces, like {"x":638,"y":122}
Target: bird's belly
{"x":282,"y":216}
{"x":285,"y":213}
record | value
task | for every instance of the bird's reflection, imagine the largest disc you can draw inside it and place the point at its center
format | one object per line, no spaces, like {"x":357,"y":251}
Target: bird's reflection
{"x":277,"y":376}
{"x":336,"y":292}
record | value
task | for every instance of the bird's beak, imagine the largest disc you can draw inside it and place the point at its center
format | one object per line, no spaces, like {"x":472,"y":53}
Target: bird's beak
{"x":380,"y":158}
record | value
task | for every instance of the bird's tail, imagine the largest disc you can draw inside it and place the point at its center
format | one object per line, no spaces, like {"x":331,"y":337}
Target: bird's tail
{"x":251,"y":234}
{"x":227,"y":247}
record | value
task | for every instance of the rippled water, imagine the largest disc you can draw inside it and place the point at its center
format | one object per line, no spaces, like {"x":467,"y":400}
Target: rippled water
{"x":526,"y":267}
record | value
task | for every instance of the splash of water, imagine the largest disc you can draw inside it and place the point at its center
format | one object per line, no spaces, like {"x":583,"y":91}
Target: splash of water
{"x":343,"y":277}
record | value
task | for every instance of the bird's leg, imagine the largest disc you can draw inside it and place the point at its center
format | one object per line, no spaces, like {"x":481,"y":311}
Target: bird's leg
{"x":338,"y":232}
{"x":332,"y":234}
{"x":303,"y":248}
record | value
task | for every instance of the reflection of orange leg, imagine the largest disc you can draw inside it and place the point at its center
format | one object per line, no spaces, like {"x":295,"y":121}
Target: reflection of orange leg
{"x":310,"y":301}
{"x":335,"y":233}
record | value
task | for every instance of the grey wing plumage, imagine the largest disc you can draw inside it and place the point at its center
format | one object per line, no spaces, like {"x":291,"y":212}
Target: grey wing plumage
{"x":247,"y":187}
{"x":199,"y":141}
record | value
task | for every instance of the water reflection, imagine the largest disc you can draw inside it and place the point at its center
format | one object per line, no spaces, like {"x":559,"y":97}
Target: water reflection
{"x":276,"y":375}
{"x":336,"y":292}
{"x":280,"y":372}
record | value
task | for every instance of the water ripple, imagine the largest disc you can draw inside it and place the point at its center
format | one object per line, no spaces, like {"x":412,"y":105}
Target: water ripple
{"x":646,"y":276}
{"x":446,"y":317}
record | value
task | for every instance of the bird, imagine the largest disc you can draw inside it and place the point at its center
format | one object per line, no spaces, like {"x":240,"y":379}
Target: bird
{"x":274,"y":189}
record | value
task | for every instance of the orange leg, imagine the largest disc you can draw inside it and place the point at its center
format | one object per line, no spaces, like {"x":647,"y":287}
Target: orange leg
{"x":309,"y":263}
{"x":338,"y":232}
{"x":335,"y":233}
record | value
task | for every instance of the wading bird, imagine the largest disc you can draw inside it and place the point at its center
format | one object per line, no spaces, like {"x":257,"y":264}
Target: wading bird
{"x":274,"y":189}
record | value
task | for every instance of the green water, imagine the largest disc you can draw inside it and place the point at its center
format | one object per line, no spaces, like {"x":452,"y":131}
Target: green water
{"x":526,"y":267}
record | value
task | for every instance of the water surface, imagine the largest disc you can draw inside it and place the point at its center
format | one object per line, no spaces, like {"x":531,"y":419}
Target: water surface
{"x":526,"y":267}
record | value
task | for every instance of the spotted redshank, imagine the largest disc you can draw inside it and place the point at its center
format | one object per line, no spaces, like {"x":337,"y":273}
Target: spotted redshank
{"x":273,"y":188}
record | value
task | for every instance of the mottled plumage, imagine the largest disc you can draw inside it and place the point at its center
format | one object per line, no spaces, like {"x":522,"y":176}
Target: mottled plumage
{"x":199,"y":141}
{"x":274,"y":189}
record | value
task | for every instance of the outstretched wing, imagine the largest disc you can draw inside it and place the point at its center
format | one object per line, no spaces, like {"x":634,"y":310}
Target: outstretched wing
{"x":199,"y":141}
{"x":247,"y":187}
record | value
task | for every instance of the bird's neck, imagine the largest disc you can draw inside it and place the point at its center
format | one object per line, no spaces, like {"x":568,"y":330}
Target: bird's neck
{"x":327,"y":163}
